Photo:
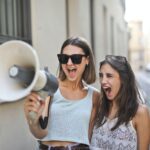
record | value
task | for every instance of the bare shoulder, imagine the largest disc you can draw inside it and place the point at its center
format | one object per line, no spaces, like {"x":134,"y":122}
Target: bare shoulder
{"x":143,"y":110}
{"x":142,"y":126}
{"x":143,"y":114}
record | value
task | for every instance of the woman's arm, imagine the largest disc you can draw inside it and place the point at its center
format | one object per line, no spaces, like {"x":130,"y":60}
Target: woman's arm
{"x":33,"y":103}
{"x":142,"y":125}
{"x":96,"y":102}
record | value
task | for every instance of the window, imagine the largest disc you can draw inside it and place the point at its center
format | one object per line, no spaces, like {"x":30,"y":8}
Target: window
{"x":15,"y":20}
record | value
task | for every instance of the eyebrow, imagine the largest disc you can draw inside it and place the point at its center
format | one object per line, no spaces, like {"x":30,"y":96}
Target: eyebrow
{"x":100,"y":73}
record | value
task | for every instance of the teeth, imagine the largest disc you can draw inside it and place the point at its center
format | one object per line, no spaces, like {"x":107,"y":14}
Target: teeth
{"x":71,"y":69}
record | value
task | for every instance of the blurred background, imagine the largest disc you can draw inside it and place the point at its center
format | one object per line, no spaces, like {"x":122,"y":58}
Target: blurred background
{"x":136,"y":16}
{"x":119,"y":27}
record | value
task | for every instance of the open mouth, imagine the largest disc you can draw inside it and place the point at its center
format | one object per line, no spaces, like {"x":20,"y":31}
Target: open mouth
{"x":72,"y":72}
{"x":107,"y":90}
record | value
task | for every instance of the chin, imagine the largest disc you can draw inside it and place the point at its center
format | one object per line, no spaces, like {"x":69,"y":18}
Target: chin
{"x":110,"y":98}
{"x":72,"y":79}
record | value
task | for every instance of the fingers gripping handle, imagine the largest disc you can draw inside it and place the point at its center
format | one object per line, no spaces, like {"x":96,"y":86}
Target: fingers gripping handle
{"x":34,"y":115}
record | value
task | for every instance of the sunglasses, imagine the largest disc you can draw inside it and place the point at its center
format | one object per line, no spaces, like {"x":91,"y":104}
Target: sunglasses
{"x":75,"y":58}
{"x":121,"y":59}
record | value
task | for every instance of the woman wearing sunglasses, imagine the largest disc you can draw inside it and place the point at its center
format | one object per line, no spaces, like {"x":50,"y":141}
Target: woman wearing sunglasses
{"x":122,"y":122}
{"x":73,"y":106}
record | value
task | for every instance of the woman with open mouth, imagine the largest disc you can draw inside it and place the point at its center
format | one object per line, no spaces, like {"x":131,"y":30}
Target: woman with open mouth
{"x":73,"y":107}
{"x":123,"y":122}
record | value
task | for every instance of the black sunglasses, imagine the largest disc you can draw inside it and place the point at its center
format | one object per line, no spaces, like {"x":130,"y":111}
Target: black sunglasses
{"x":116,"y":58}
{"x":75,"y":58}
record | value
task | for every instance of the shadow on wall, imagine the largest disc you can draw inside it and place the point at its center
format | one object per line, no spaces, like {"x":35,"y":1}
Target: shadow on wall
{"x":14,"y":131}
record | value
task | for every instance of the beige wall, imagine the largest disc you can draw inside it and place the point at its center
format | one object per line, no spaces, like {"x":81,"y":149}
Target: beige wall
{"x":103,"y":30}
{"x":14,"y":132}
{"x":49,"y":30}
{"x":79,"y":18}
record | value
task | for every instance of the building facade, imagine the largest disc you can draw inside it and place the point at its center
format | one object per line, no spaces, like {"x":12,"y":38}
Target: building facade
{"x":136,"y":45}
{"x":45,"y":25}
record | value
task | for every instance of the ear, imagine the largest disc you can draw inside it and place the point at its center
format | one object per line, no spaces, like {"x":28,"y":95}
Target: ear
{"x":87,"y":60}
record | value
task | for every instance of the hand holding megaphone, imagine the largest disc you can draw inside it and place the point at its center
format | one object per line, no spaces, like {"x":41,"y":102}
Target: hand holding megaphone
{"x":34,"y":106}
{"x":21,"y":73}
{"x":46,"y":84}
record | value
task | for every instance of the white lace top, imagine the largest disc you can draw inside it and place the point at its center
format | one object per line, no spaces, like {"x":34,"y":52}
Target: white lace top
{"x":122,"y":138}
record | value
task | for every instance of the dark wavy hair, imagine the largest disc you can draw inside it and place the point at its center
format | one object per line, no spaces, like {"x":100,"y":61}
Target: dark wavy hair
{"x":89,"y":74}
{"x":128,"y":96}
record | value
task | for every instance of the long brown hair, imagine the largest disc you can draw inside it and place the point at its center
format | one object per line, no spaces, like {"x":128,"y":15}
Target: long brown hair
{"x":128,"y":95}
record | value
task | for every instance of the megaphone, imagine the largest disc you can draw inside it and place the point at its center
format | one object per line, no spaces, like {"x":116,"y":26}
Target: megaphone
{"x":20,"y":72}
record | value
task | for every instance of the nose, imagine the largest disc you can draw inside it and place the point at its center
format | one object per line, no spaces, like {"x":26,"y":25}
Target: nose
{"x":69,"y":62}
{"x":103,"y":80}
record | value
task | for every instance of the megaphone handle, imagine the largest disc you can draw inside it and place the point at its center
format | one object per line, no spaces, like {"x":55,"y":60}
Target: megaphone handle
{"x":33,"y":114}
{"x":42,"y":121}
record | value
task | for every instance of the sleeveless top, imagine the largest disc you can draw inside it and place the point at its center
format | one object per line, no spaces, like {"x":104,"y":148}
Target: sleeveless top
{"x":122,"y":138}
{"x":69,"y":119}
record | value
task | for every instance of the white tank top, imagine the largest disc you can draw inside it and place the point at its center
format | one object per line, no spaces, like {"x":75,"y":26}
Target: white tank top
{"x":69,"y":119}
{"x":122,"y":138}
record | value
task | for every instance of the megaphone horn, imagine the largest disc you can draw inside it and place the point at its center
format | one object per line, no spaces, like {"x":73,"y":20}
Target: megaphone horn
{"x":20,"y":72}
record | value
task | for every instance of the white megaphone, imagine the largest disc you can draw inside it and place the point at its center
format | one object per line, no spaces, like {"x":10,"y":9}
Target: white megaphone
{"x":20,"y":72}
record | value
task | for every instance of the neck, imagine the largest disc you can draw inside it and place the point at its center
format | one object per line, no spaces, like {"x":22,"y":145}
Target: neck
{"x":113,"y":110}
{"x":72,"y":85}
